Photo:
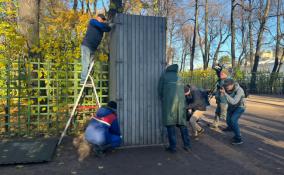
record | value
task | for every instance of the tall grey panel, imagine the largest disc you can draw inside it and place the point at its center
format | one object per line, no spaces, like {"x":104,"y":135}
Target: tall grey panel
{"x":137,"y":56}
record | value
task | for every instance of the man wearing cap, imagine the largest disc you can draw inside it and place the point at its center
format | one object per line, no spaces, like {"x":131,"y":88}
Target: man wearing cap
{"x":103,"y":131}
{"x":196,"y":105}
{"x":91,"y":41}
{"x":235,"y":97}
{"x":221,"y":101}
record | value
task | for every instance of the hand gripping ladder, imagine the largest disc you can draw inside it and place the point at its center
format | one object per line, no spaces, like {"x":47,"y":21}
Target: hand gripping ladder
{"x":78,"y":100}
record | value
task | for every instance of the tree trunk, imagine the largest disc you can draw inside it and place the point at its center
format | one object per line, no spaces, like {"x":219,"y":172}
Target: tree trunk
{"x":206,"y":54}
{"x":243,"y":32}
{"x":95,"y":7}
{"x":82,"y":6}
{"x":216,"y":54}
{"x":263,"y":20}
{"x":29,"y":11}
{"x":194,"y":36}
{"x":29,"y":16}
{"x":183,"y":68}
{"x":220,"y":42}
{"x":169,"y":48}
{"x":75,"y":5}
{"x":115,"y":6}
{"x":274,"y":72}
{"x":233,"y":31}
{"x":201,"y":46}
{"x":88,"y":6}
{"x":277,"y":49}
{"x":183,"y":56}
{"x":250,"y":35}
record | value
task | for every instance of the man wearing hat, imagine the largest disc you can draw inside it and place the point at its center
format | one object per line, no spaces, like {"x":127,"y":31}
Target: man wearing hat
{"x":235,"y":97}
{"x":195,"y":106}
{"x":103,"y":131}
{"x":221,"y":101}
{"x":91,"y":41}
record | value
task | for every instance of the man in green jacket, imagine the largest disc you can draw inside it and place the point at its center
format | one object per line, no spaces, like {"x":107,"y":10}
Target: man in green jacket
{"x":172,"y":97}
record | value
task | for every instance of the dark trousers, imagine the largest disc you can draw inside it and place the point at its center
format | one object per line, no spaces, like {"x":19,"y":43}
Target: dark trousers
{"x":172,"y":135}
{"x":232,"y":120}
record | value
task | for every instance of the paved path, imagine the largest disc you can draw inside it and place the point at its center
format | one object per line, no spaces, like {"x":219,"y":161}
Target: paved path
{"x":262,"y":127}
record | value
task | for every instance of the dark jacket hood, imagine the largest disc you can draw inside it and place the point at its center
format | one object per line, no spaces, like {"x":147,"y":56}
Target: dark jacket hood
{"x":172,"y":68}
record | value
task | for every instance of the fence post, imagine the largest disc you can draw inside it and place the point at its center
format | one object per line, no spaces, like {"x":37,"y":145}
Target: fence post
{"x":7,"y":118}
{"x":19,"y":95}
{"x":8,"y":97}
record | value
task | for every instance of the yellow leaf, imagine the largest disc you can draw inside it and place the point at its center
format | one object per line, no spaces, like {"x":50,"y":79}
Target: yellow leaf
{"x":103,"y":57}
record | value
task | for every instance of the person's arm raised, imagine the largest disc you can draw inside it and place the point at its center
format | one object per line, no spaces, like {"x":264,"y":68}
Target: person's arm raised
{"x":102,"y":26}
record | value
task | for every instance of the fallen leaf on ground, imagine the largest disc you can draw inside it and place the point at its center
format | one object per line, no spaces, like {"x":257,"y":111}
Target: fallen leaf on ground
{"x":20,"y":166}
{"x":100,"y":167}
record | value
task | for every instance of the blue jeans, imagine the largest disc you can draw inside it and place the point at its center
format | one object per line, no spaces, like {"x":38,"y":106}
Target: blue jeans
{"x":100,"y":136}
{"x":86,"y":58}
{"x":113,"y":140}
{"x":232,"y":120}
{"x":172,"y":136}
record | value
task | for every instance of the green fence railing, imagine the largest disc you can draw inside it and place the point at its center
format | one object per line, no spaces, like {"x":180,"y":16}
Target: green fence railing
{"x":263,"y":85}
{"x":36,"y":96}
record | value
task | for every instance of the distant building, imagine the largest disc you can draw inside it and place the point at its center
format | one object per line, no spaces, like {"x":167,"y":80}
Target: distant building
{"x":266,"y":62}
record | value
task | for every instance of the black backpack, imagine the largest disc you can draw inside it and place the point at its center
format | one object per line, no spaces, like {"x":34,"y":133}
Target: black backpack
{"x":245,"y":88}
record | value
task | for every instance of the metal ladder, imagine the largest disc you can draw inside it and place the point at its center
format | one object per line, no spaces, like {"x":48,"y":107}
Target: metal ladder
{"x":79,"y":98}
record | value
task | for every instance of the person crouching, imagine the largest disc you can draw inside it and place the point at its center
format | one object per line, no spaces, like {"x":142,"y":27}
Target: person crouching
{"x":196,"y":105}
{"x":102,"y":132}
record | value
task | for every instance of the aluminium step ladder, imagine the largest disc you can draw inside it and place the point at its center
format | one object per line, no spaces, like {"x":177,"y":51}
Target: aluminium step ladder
{"x":79,"y":98}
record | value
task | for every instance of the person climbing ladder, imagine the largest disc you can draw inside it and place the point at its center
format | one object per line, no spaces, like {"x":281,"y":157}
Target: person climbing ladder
{"x":91,"y":41}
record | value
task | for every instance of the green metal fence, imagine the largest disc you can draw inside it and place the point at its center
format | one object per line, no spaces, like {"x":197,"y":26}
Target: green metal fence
{"x":207,"y":82}
{"x":36,"y":96}
{"x":263,"y":85}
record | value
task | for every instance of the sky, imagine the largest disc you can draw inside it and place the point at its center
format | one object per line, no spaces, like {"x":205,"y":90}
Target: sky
{"x":226,"y":5}
{"x":267,"y":39}
{"x":100,"y":4}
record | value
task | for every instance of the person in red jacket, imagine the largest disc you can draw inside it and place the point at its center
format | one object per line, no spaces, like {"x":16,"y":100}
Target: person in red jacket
{"x":103,"y":131}
{"x":101,"y":134}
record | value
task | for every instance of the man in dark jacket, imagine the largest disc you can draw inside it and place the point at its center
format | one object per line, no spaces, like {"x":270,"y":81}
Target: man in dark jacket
{"x":91,"y":41}
{"x":103,"y":131}
{"x":170,"y":91}
{"x":221,"y":101}
{"x":196,"y":105}
{"x":235,"y":97}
